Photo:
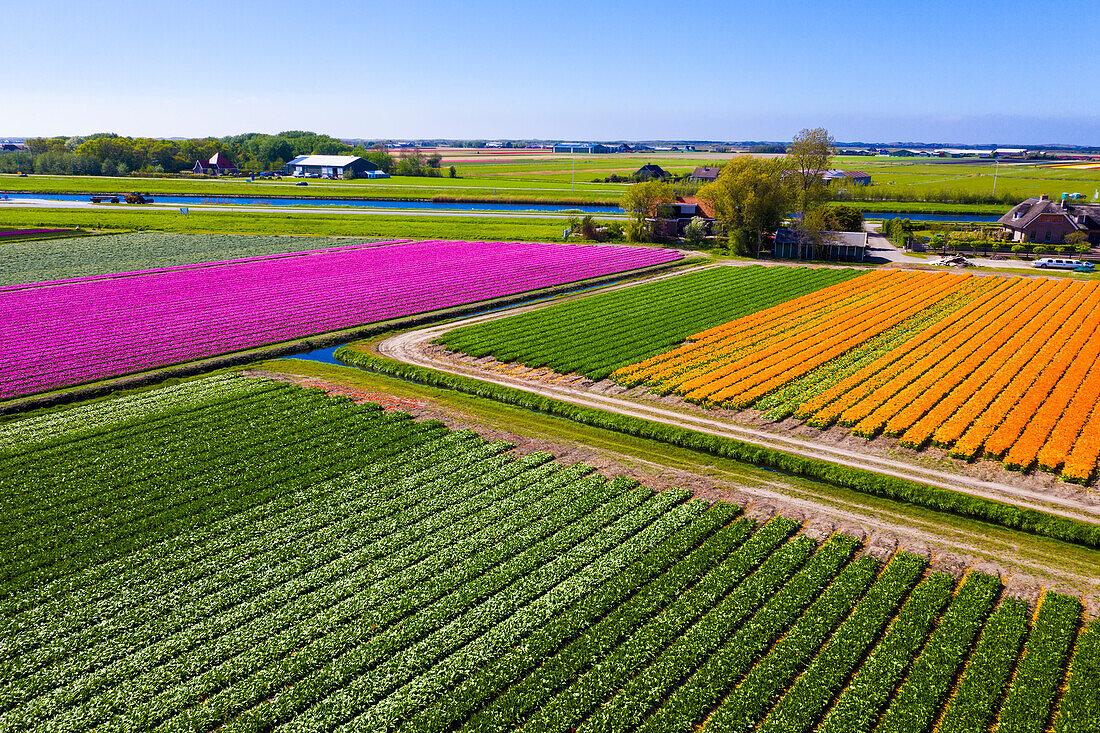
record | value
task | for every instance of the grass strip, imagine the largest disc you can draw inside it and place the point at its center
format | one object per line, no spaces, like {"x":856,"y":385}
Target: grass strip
{"x":860,"y":480}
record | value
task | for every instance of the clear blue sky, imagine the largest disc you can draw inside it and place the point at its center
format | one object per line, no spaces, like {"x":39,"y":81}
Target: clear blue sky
{"x":966,"y":72}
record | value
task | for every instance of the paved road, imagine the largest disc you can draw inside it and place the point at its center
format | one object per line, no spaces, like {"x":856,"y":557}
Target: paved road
{"x":883,"y":249}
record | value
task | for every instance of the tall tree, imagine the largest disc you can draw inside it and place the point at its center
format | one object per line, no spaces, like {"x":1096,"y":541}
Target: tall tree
{"x":808,"y":159}
{"x":645,"y":201}
{"x":750,"y":198}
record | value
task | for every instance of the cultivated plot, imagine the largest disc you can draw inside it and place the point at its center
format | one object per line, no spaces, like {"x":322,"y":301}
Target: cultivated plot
{"x":59,"y":334}
{"x":246,"y":555}
{"x":984,"y":366}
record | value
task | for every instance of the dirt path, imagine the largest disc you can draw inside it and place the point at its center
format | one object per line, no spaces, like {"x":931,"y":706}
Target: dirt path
{"x":413,"y":348}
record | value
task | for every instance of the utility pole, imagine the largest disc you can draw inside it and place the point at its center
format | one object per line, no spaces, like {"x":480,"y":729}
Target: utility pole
{"x":996,"y":168}
{"x":573,"y":180}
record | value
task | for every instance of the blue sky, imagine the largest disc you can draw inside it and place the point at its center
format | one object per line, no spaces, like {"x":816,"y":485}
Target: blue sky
{"x":966,"y":72}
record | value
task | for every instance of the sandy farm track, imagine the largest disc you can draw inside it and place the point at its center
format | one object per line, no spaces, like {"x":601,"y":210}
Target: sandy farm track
{"x":415,"y":347}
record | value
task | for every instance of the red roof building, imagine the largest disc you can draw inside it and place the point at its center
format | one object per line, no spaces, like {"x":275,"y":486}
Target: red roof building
{"x":218,"y":165}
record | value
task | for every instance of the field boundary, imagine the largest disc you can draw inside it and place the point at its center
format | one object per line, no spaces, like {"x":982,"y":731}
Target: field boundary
{"x":1042,"y":521}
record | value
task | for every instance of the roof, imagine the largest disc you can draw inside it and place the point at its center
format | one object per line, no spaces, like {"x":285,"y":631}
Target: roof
{"x":651,"y":169}
{"x":834,"y":173}
{"x":851,"y":239}
{"x":706,"y":172}
{"x":221,"y":161}
{"x":1028,"y":210}
{"x":328,"y":161}
{"x":702,"y":207}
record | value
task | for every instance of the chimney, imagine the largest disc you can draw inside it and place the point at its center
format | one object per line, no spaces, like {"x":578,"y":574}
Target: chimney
{"x":1044,"y":197}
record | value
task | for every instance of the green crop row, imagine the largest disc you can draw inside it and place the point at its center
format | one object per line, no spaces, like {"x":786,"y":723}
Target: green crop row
{"x":862,"y":481}
{"x":700,"y":544}
{"x":708,"y":684}
{"x":860,"y":703}
{"x":596,"y":335}
{"x":1080,"y":708}
{"x":930,"y":678}
{"x":980,"y":688}
{"x":1041,"y":669}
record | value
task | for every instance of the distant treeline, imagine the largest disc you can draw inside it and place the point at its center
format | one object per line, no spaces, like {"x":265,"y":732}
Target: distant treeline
{"x":111,"y":155}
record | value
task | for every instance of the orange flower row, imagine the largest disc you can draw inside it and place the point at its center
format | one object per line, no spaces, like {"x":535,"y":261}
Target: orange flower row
{"x":957,"y":387}
{"x":1080,"y":464}
{"x":1072,"y":420}
{"x":700,"y":384}
{"x":870,"y":414}
{"x":1010,"y":434}
{"x":755,"y":331}
{"x":824,"y":409}
{"x":750,"y":388}
{"x":1043,"y":423}
{"x":1019,"y":373}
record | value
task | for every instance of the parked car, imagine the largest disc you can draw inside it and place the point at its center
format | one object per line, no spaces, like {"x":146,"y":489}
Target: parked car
{"x":1056,"y":263}
{"x":1085,"y":267}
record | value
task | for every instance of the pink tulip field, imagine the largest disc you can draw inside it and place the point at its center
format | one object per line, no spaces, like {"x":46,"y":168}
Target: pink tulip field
{"x":64,"y":333}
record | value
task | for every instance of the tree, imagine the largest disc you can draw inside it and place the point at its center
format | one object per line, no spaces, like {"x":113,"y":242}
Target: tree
{"x":808,"y":158}
{"x":646,"y":201}
{"x":750,"y":198}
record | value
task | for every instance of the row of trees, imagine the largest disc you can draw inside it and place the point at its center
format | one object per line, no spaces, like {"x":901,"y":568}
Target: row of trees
{"x":110,"y":154}
{"x":752,"y":197}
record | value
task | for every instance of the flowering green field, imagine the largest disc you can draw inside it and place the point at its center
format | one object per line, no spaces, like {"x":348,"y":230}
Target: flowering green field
{"x":237,"y":554}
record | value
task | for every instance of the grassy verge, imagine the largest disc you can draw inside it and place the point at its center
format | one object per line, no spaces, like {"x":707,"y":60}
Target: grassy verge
{"x":926,"y":207}
{"x":858,"y":480}
{"x":383,"y":226}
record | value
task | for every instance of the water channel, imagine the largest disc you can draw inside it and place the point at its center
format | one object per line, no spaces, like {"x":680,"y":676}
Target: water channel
{"x":448,"y":206}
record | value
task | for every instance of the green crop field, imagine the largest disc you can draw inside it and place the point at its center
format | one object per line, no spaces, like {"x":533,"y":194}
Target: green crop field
{"x":550,"y":178}
{"x":59,"y":259}
{"x":378,"y":226}
{"x":596,"y":335}
{"x":237,"y":554}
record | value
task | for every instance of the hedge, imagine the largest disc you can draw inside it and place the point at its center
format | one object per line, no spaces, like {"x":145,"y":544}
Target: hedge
{"x":855,"y":479}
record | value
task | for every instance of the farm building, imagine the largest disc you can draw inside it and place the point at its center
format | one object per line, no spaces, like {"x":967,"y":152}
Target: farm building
{"x":676,"y":216}
{"x":1043,"y":220}
{"x":585,"y":148}
{"x":838,"y":247}
{"x":651,"y":171}
{"x":858,"y":178}
{"x":218,"y":165}
{"x":706,"y":173}
{"x":330,"y":166}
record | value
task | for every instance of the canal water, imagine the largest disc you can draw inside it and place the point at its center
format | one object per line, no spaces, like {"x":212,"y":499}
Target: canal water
{"x":347,"y":203}
{"x":449,"y":206}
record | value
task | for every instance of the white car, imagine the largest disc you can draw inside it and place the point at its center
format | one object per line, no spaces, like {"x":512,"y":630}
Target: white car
{"x":1057,"y":263}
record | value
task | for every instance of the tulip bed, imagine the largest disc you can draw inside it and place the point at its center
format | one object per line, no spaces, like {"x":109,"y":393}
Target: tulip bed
{"x":236,"y":554}
{"x":1005,"y":368}
{"x":594,"y":336}
{"x":64,"y":333}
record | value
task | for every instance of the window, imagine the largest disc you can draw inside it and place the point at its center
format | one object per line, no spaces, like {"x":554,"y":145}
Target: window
{"x":1048,"y":235}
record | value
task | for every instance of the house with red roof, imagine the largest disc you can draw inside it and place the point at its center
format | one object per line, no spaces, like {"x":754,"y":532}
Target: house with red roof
{"x":218,"y":165}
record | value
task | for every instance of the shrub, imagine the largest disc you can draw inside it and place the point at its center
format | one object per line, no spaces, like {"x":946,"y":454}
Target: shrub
{"x":695,"y":231}
{"x":1019,"y":248}
{"x":1039,"y":249}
